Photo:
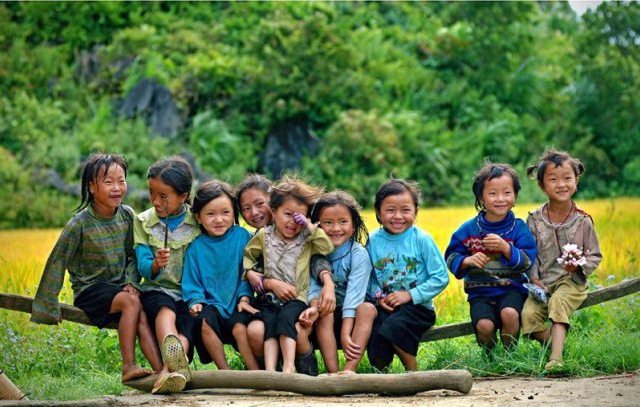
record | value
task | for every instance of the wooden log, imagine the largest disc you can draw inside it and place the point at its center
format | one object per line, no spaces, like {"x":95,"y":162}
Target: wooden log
{"x":402,"y":384}
{"x":23,"y":304}
{"x":595,"y":297}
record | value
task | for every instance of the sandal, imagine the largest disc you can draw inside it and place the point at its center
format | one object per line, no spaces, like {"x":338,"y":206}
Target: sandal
{"x":554,"y":364}
{"x":174,"y":356}
{"x":169,"y":383}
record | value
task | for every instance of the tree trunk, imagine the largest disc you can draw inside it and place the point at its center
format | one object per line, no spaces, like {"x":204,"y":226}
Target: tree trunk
{"x":403,"y":384}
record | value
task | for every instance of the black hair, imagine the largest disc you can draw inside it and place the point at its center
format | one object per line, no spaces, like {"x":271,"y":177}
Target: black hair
{"x":488,"y":172}
{"x":253,"y":181}
{"x":91,"y":169}
{"x":557,"y":158}
{"x":396,"y":186}
{"x":360,"y":234}
{"x":211,"y":190}
{"x":292,"y":187}
{"x":174,"y":171}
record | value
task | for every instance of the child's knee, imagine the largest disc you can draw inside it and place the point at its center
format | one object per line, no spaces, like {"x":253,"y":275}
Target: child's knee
{"x":367,"y":311}
{"x":239,"y":331}
{"x":509,"y":315}
{"x":485,"y":327}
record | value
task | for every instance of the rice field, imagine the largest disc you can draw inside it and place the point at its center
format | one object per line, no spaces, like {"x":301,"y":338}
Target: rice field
{"x":24,"y":252}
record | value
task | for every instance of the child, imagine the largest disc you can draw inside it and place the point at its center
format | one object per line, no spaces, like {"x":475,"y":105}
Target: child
{"x":96,"y":247}
{"x":212,"y":284}
{"x":409,"y":271}
{"x":253,"y":197}
{"x":161,"y":235}
{"x":555,"y":224}
{"x":492,"y":252}
{"x":286,"y":248}
{"x":350,"y":324}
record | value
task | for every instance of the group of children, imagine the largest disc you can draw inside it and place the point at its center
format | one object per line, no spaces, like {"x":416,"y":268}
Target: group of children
{"x":182,"y":276}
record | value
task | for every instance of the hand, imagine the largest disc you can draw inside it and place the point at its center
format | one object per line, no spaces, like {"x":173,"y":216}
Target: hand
{"x":195,"y":310}
{"x":131,"y":290}
{"x":162,"y":258}
{"x":300,"y":219}
{"x":256,"y":280}
{"x":495,"y":243}
{"x":327,"y":299}
{"x":352,"y":350}
{"x":397,"y":298}
{"x":245,"y":306}
{"x":308,"y":317}
{"x":284,"y":291}
{"x":477,"y":260}
{"x":539,"y":284}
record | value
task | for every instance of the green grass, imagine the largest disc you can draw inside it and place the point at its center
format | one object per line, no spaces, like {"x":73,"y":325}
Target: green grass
{"x":72,"y":362}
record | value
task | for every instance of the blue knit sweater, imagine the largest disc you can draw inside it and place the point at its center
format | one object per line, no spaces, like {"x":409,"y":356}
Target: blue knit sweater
{"x":499,"y":275}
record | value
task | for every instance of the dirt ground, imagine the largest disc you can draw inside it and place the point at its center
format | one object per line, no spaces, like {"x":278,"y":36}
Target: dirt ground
{"x":621,"y":390}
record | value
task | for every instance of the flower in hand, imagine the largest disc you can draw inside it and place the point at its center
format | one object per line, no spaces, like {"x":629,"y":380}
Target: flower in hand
{"x":572,"y":257}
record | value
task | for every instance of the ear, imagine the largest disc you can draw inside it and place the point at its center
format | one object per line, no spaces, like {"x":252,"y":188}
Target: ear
{"x":92,"y":187}
{"x":183,"y":197}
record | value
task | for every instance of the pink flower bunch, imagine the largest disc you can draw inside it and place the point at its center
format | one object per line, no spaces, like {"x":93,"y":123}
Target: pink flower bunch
{"x":572,"y":256}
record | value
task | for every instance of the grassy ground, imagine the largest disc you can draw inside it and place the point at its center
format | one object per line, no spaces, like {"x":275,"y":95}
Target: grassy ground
{"x":71,"y":361}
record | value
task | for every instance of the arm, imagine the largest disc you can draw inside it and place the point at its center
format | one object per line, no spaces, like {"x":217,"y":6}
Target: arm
{"x":319,"y":263}
{"x":192,"y":285}
{"x":46,"y":307}
{"x":357,"y":282}
{"x":523,"y":249}
{"x":534,"y":272}
{"x":437,"y":276}
{"x":591,"y":248}
{"x":455,"y":254}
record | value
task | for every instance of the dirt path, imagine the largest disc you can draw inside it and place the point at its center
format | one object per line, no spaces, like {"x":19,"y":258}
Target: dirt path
{"x":622,"y":390}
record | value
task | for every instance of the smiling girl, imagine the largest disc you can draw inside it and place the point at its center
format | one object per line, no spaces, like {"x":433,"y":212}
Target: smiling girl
{"x":492,"y":253}
{"x":162,"y":234}
{"x":96,"y":248}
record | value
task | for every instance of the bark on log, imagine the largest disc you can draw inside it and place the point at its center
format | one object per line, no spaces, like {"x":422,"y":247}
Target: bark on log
{"x":23,"y":304}
{"x":403,"y":384}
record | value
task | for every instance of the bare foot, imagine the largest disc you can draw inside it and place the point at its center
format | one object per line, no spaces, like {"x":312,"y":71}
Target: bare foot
{"x":130,"y":372}
{"x":346,"y":372}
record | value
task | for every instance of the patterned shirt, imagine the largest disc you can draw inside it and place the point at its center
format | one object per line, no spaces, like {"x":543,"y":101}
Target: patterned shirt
{"x":286,"y":261}
{"x":91,"y":249}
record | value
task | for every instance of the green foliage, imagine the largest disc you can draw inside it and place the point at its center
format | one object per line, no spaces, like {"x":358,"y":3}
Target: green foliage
{"x":452,"y":84}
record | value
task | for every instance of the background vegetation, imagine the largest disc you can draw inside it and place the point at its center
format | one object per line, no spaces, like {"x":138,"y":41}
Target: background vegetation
{"x":85,"y":361}
{"x":425,"y":91}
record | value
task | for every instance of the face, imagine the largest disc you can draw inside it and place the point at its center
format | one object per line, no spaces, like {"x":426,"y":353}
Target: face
{"x":397,"y":212}
{"x":254,"y":208}
{"x":108,"y":190}
{"x":286,"y":227}
{"x":216,"y":217}
{"x":164,"y":198}
{"x":498,"y":197}
{"x":559,"y":183}
{"x":337,"y":223}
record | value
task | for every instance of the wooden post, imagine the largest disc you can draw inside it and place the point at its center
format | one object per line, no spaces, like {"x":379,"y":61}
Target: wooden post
{"x":23,"y":304}
{"x":8,"y":390}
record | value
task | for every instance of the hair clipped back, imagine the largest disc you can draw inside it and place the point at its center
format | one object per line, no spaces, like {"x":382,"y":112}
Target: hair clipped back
{"x":360,"y":234}
{"x":91,"y":170}
{"x":293,"y":187}
{"x":488,"y":172}
{"x":551,"y":156}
